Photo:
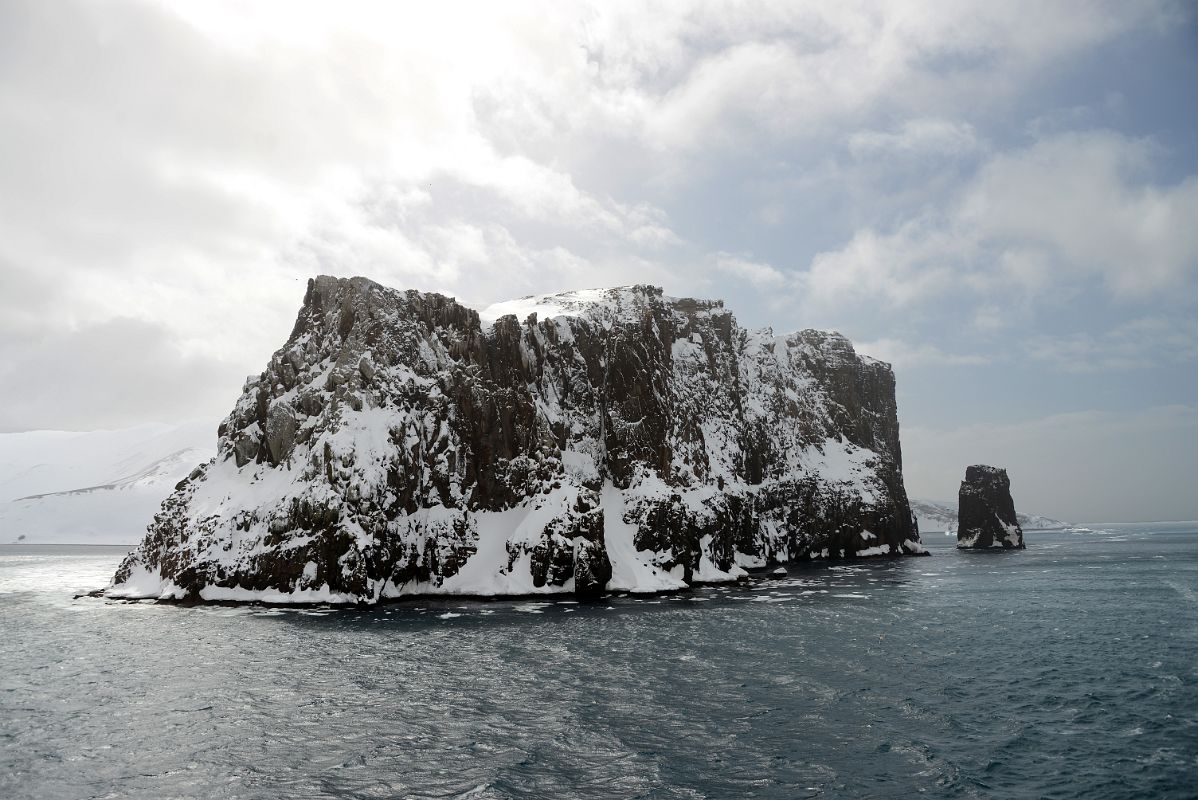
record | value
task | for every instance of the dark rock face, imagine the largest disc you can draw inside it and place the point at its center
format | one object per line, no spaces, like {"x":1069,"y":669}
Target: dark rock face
{"x":592,"y":441}
{"x":986,"y":513}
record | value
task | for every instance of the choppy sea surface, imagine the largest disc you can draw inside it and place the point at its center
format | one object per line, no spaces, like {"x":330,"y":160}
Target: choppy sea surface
{"x":1069,"y":670}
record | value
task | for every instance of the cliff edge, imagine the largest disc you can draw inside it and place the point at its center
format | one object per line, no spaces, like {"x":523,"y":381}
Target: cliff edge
{"x":616,"y":439}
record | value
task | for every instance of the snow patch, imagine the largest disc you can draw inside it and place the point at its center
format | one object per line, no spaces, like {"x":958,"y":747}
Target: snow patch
{"x":630,"y":571}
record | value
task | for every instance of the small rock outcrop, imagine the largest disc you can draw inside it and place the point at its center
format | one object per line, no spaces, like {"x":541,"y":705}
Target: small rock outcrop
{"x":618,"y":439}
{"x":986,"y":513}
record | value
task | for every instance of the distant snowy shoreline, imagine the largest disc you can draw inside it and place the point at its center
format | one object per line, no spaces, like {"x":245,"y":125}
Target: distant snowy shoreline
{"x":936,"y":517}
{"x":95,"y":487}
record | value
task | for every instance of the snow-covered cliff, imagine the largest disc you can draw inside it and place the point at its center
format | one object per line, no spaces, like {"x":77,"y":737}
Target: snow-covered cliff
{"x":400,"y":443}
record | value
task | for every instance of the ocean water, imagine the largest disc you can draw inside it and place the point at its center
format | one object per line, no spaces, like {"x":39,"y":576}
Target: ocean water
{"x":1069,"y":670}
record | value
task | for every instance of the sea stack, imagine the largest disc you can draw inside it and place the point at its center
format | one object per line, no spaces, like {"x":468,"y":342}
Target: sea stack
{"x":401,"y":444}
{"x":986,"y":513}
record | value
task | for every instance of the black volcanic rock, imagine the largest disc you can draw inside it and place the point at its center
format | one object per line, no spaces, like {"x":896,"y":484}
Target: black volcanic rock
{"x":611,"y":439}
{"x":985,"y":512}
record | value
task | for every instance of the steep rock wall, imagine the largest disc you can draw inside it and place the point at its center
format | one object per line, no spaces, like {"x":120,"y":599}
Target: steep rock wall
{"x":985,"y":511}
{"x":606,"y":440}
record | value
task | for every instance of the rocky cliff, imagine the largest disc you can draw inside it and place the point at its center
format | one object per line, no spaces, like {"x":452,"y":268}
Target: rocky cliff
{"x":616,"y":439}
{"x":986,"y":512}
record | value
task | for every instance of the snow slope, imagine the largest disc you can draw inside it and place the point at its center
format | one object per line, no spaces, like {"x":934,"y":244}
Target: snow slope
{"x":96,"y":487}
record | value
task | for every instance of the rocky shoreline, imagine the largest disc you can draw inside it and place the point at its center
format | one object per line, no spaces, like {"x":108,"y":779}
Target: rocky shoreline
{"x":400,"y":444}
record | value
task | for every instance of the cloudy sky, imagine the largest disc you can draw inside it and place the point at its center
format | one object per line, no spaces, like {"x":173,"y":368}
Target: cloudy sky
{"x":999,"y":198}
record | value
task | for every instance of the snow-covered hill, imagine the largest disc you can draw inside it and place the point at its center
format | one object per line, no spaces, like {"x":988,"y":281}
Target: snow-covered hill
{"x":940,"y":516}
{"x":934,"y":516}
{"x":97,"y":487}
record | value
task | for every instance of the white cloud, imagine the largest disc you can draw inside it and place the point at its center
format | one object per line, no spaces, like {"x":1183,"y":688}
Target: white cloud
{"x":186,"y":165}
{"x":759,"y":274}
{"x":1086,"y":203}
{"x":920,"y":259}
{"x":799,"y":69}
{"x":151,"y":160}
{"x":1065,"y":210}
{"x":940,"y":138}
